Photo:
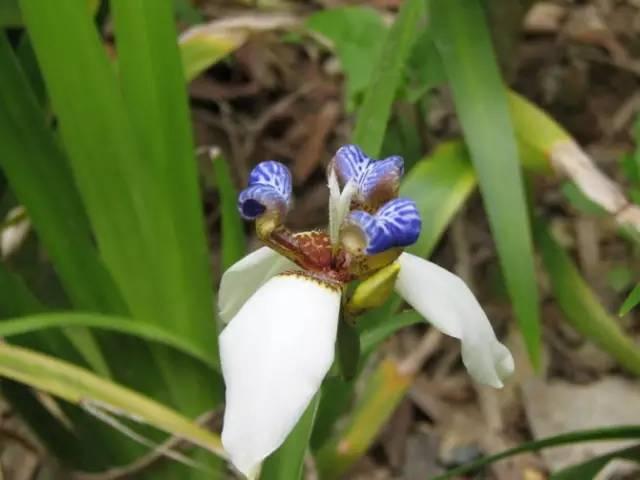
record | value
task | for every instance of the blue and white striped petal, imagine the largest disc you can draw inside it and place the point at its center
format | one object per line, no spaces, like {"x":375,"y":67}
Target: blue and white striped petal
{"x":269,"y":189}
{"x":377,"y":181}
{"x":396,"y":224}
{"x":381,"y":180}
{"x":350,"y":163}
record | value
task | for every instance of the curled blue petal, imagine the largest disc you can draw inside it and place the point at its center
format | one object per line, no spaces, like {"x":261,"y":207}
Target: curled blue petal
{"x":350,"y":163}
{"x":377,"y":181}
{"x":401,"y":217}
{"x":269,"y":189}
{"x":382,"y":179}
{"x":396,"y":224}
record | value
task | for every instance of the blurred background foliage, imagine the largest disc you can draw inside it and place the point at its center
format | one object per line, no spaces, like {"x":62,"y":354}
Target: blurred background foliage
{"x":127,"y":128}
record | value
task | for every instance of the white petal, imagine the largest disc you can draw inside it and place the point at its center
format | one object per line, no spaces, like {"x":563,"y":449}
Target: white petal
{"x":446,"y":301}
{"x":275,"y":353}
{"x":244,"y":277}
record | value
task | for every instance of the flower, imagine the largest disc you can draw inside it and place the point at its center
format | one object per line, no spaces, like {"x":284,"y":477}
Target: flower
{"x":283,"y":302}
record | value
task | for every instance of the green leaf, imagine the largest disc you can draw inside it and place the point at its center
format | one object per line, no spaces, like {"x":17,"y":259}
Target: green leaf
{"x":234,"y":241}
{"x":83,"y":388}
{"x":201,"y":48}
{"x":38,"y":173}
{"x":166,"y":179}
{"x":288,"y":461}
{"x":186,"y":12}
{"x":581,"y":307}
{"x":439,"y":184}
{"x":611,"y":433}
{"x":10,"y":15}
{"x":357,"y":34}
{"x":591,"y":468}
{"x":348,"y":349}
{"x":387,"y":73}
{"x":537,"y":133}
{"x":579,"y":200}
{"x":632,"y":300}
{"x":33,"y":323}
{"x":462,"y":37}
{"x":372,"y":337}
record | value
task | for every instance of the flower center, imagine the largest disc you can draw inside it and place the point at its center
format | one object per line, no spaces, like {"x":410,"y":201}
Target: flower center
{"x":368,"y":225}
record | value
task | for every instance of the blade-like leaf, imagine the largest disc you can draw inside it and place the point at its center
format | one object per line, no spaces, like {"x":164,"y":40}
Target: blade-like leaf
{"x":81,"y":387}
{"x":67,"y":320}
{"x":611,"y":433}
{"x":233,"y":241}
{"x":581,"y":307}
{"x":439,"y":184}
{"x":632,"y":300}
{"x":37,"y":171}
{"x":155,"y":95}
{"x":591,"y":468}
{"x":385,"y":80}
{"x":462,"y":37}
{"x":154,"y":91}
{"x":10,"y":14}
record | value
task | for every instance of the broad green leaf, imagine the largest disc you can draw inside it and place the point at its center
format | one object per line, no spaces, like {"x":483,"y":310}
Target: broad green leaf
{"x":581,"y":307}
{"x":38,"y":173}
{"x":439,"y":184}
{"x":592,"y":467}
{"x":288,"y":461}
{"x":165,"y":177}
{"x":387,"y":73}
{"x":233,"y":241}
{"x":71,"y":320}
{"x":357,"y":34}
{"x":610,"y":433}
{"x":155,"y":98}
{"x":462,"y":37}
{"x":632,"y":300}
{"x":83,"y":388}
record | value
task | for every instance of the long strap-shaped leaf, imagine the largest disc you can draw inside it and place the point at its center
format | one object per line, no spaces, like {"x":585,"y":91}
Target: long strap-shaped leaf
{"x":581,"y":307}
{"x":387,"y":73}
{"x":82,"y":387}
{"x":123,"y":189}
{"x":33,"y":323}
{"x":611,"y":433}
{"x":462,"y":37}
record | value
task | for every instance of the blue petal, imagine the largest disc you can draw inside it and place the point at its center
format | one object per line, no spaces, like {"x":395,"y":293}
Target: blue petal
{"x":382,"y":178}
{"x":350,"y":163}
{"x":396,"y":224}
{"x":377,"y":181}
{"x":274,"y":174}
{"x":401,"y":217}
{"x":269,"y":189}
